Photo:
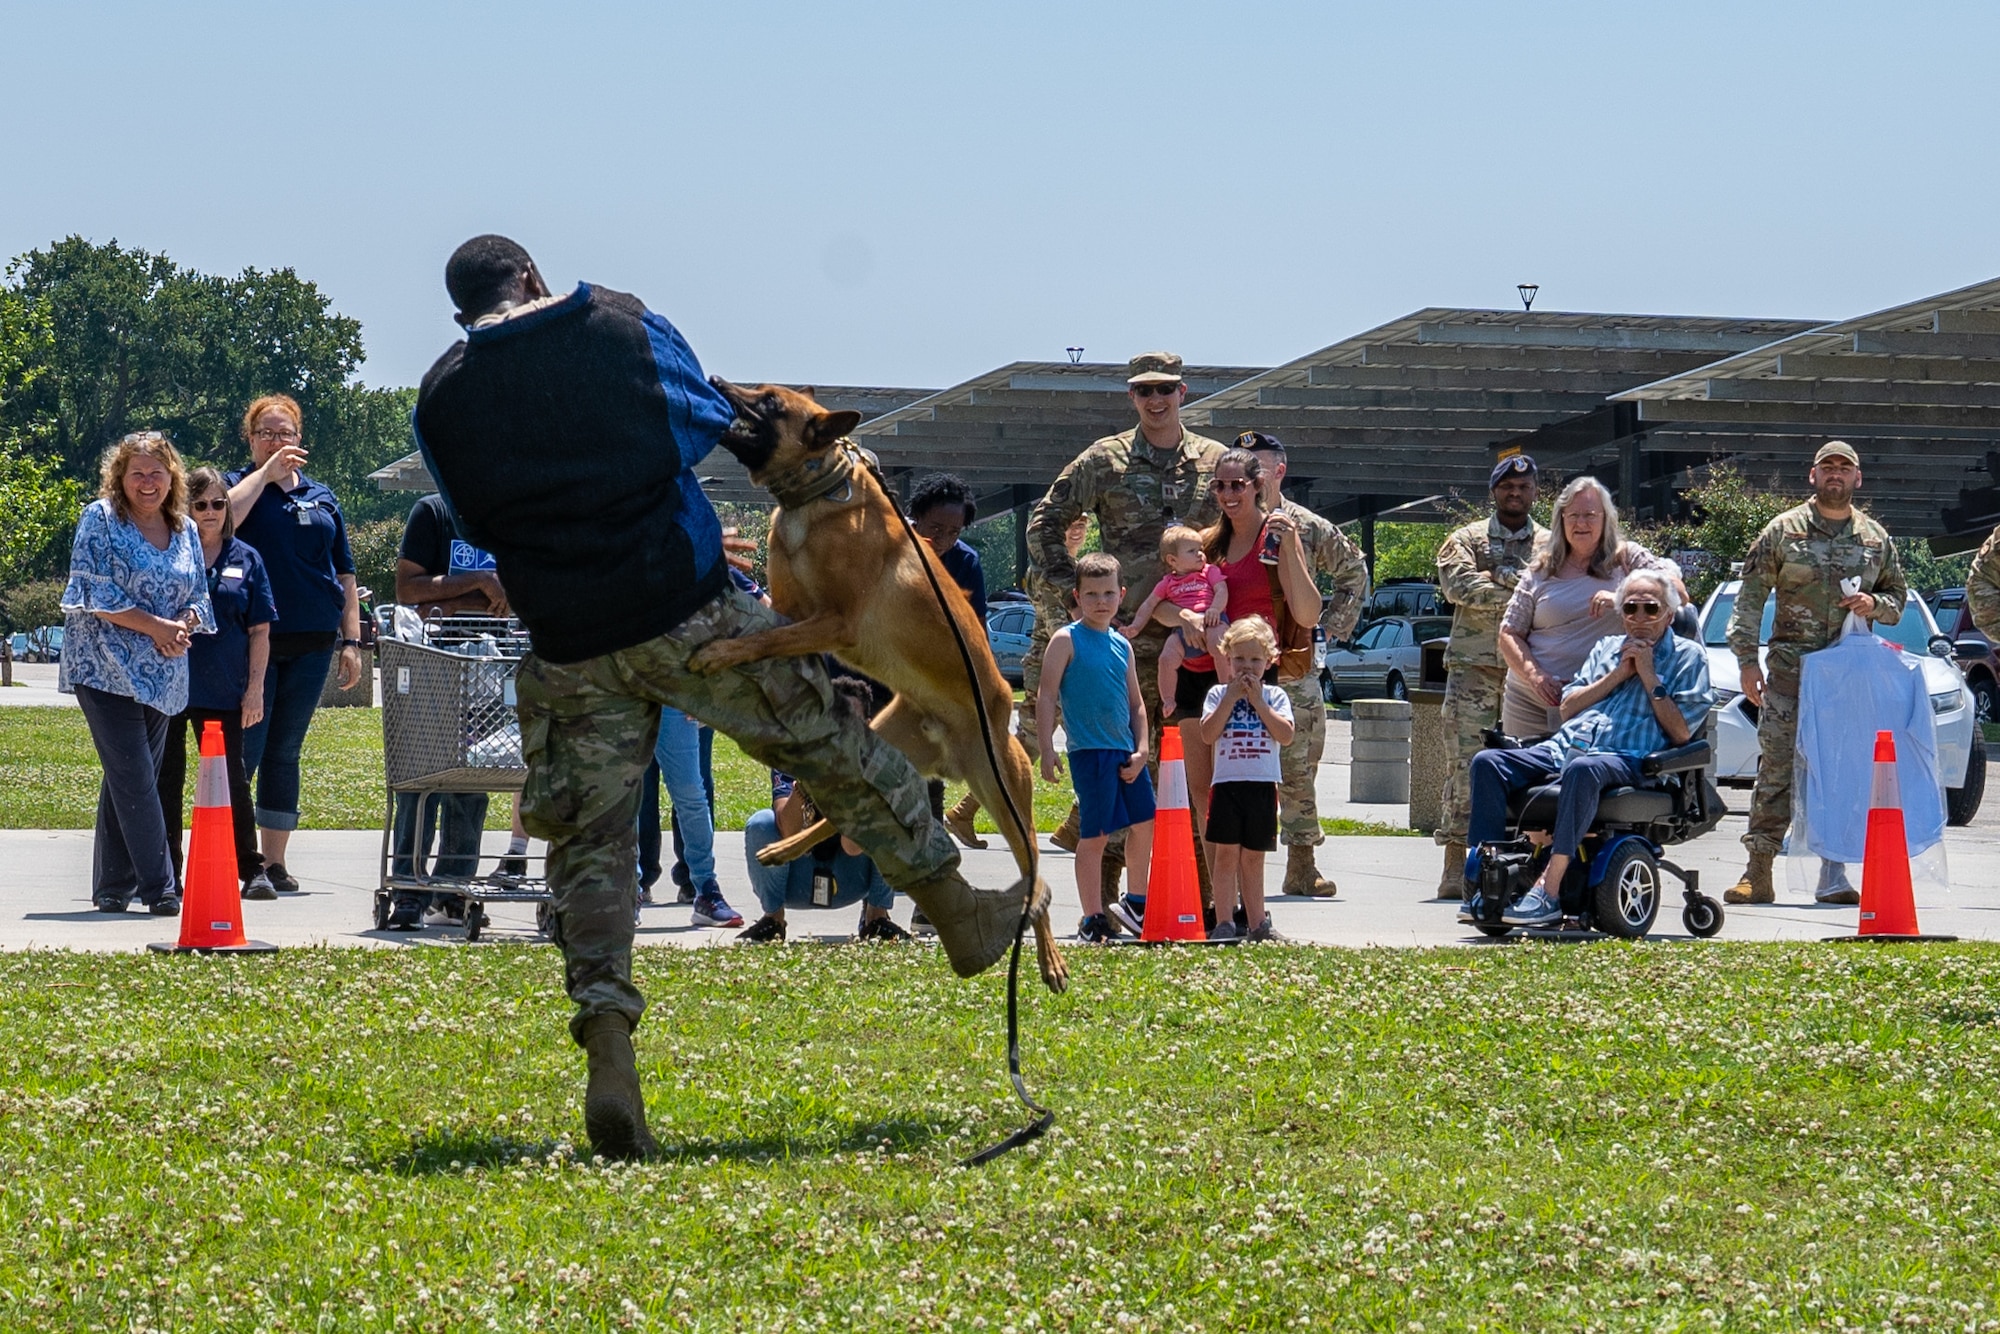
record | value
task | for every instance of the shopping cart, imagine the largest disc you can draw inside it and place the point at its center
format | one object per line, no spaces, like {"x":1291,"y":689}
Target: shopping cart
{"x":449,"y":726}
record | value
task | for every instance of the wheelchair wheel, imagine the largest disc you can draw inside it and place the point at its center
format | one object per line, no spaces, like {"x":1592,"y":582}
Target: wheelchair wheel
{"x":381,"y":910}
{"x":475,"y":920}
{"x":1494,"y":929}
{"x":1628,"y":897}
{"x":1702,"y":916}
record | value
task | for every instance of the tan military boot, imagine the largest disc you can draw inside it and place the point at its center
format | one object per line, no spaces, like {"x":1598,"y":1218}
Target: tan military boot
{"x":1070,"y":832}
{"x":1451,"y":885}
{"x":1755,"y":886}
{"x":975,"y":926}
{"x":959,"y":821}
{"x":1302,"y":875}
{"x":614,"y":1109}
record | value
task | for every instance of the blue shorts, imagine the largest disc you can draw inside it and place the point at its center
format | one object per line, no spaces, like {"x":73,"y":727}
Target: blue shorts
{"x":1105,"y":803}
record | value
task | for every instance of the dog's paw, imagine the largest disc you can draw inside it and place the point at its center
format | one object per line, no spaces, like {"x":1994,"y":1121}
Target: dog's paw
{"x":714,"y":656}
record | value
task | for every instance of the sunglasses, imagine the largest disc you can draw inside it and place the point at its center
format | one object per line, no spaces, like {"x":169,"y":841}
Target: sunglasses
{"x":1232,"y":484}
{"x":1153,"y":387}
{"x":200,"y":506}
{"x":1642,"y":609}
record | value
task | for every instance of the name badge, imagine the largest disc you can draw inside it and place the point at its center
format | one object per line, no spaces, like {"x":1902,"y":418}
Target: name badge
{"x":305,"y":517}
{"x":233,"y":572}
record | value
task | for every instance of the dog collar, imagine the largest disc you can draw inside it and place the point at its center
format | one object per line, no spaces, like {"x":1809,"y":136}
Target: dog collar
{"x":814,"y":478}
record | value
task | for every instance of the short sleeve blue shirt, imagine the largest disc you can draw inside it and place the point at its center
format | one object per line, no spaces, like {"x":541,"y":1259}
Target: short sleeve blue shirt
{"x":240,"y":592}
{"x":112,"y":567}
{"x":302,"y":536}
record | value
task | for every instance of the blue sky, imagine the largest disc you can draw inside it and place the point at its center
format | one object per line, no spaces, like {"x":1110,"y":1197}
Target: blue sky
{"x":909,"y":194}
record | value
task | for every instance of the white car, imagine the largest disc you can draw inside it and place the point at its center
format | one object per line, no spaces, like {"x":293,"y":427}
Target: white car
{"x":1961,"y":746}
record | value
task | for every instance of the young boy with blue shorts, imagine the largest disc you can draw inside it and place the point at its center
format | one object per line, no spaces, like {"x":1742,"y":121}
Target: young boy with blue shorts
{"x":1088,"y":669}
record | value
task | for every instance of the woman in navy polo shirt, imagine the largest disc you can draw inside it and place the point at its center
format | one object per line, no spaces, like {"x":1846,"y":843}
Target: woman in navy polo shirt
{"x":225,"y":676}
{"x":296,"y":525}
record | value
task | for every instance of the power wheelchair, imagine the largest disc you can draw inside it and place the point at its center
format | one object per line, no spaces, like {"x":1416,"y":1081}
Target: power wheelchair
{"x":1613,"y":886}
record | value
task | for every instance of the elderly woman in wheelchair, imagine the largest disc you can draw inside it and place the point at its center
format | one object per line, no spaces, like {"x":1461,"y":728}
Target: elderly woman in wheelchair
{"x":1593,"y":805}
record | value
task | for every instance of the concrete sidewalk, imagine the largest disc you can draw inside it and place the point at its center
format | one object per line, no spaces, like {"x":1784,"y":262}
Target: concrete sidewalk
{"x":1386,"y":887}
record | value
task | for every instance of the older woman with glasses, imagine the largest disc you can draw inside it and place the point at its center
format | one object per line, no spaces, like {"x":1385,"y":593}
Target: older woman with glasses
{"x":295,"y":524}
{"x":225,"y":676}
{"x":1558,"y":611}
{"x":136,"y":598}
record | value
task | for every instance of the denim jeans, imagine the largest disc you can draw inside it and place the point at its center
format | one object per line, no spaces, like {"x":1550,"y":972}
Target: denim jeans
{"x":854,"y":877}
{"x":292,"y":687}
{"x":129,"y":857}
{"x":1495,"y":773}
{"x":677,"y":757}
{"x":708,"y":787}
{"x":457,"y":818}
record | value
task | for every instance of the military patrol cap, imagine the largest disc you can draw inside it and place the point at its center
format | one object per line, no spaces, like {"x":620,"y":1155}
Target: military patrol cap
{"x":1511,"y":467}
{"x":1259,"y":440}
{"x":1154,"y":368}
{"x":1836,"y":449}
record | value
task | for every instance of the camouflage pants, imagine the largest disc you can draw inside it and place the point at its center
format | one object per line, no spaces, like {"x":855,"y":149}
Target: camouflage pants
{"x":1298,"y":801}
{"x":1471,"y":705}
{"x":587,"y":732}
{"x":1777,"y":737}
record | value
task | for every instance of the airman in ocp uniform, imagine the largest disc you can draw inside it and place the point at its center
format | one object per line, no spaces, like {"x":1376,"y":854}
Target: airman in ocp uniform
{"x":1136,"y":482}
{"x":1333,"y":554}
{"x":1802,"y":556}
{"x":1478,"y":567}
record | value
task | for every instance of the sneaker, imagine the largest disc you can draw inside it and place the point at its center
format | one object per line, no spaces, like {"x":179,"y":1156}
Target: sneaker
{"x":1128,"y":912}
{"x":921,"y":924}
{"x":766,"y":930}
{"x":167,"y":905}
{"x":1536,"y":908}
{"x":1095,"y":929}
{"x":1225,"y":931}
{"x":112,"y":902}
{"x":646,"y":899}
{"x":259,"y":888}
{"x":881,"y":928}
{"x":281,"y":879}
{"x":1264,"y":931}
{"x":685,"y":895}
{"x":1834,"y":886}
{"x":1469,"y":910}
{"x":711,"y":910}
{"x":445,"y":910}
{"x":513,"y":867}
{"x":406,"y":915}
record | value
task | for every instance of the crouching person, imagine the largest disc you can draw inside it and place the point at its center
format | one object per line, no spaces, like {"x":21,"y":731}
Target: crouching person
{"x":1640,"y":691}
{"x":833,"y":875}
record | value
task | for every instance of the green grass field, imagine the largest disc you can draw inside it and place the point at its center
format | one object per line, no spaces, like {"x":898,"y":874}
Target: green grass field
{"x":53,"y":774}
{"x":1610,"y":1137}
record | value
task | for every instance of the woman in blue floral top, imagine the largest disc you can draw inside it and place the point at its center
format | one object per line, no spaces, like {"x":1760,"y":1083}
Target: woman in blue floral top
{"x":137,"y":594}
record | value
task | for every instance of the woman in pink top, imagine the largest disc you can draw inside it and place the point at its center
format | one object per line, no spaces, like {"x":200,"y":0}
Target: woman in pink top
{"x":1235,"y":544}
{"x":1558,"y":611}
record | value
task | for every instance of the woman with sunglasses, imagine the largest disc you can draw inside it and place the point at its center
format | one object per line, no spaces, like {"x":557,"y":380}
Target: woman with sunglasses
{"x":296,"y":525}
{"x":225,"y":676}
{"x":1559,"y":609}
{"x":134,"y":601}
{"x":1246,"y":543}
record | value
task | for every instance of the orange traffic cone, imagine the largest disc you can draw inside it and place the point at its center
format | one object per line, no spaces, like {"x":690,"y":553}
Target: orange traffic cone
{"x":1173,"y":895}
{"x":212,"y":906}
{"x":1888,"y":901}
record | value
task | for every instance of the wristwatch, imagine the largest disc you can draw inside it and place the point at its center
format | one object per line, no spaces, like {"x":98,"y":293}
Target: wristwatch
{"x":350,"y":643}
{"x":1660,"y":691}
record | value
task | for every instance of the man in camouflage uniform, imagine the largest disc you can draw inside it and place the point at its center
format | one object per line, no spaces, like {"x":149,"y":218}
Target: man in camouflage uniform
{"x":1137,"y":483}
{"x":1802,"y":555}
{"x":1478,"y":566}
{"x":564,"y":433}
{"x":1982,"y":589}
{"x":1333,"y":555}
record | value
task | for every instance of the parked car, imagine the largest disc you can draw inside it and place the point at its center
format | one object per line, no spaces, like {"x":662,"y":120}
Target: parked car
{"x":1961,"y":747}
{"x":1972,"y":649}
{"x":1381,"y":661}
{"x":46,"y":643}
{"x":1009,"y":626}
{"x":18,"y":644}
{"x":1405,"y":597}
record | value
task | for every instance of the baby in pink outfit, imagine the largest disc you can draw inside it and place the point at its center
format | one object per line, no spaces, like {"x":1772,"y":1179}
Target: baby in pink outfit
{"x":1192,"y":584}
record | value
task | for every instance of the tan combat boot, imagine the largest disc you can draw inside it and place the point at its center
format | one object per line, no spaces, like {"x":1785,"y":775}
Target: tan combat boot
{"x":975,"y":926}
{"x":959,"y":821}
{"x":614,"y":1110}
{"x":1755,"y":886}
{"x":1302,"y":875}
{"x":1070,"y":832}
{"x":1451,"y":885}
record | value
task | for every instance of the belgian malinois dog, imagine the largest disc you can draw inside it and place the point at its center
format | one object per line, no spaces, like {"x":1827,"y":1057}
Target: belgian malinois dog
{"x":851,"y":576}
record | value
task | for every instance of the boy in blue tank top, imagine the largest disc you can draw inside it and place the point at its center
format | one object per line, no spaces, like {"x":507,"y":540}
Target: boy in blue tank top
{"x":1088,"y":670}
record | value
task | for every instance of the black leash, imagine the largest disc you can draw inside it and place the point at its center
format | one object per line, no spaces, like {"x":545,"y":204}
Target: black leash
{"x":1045,"y":1118}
